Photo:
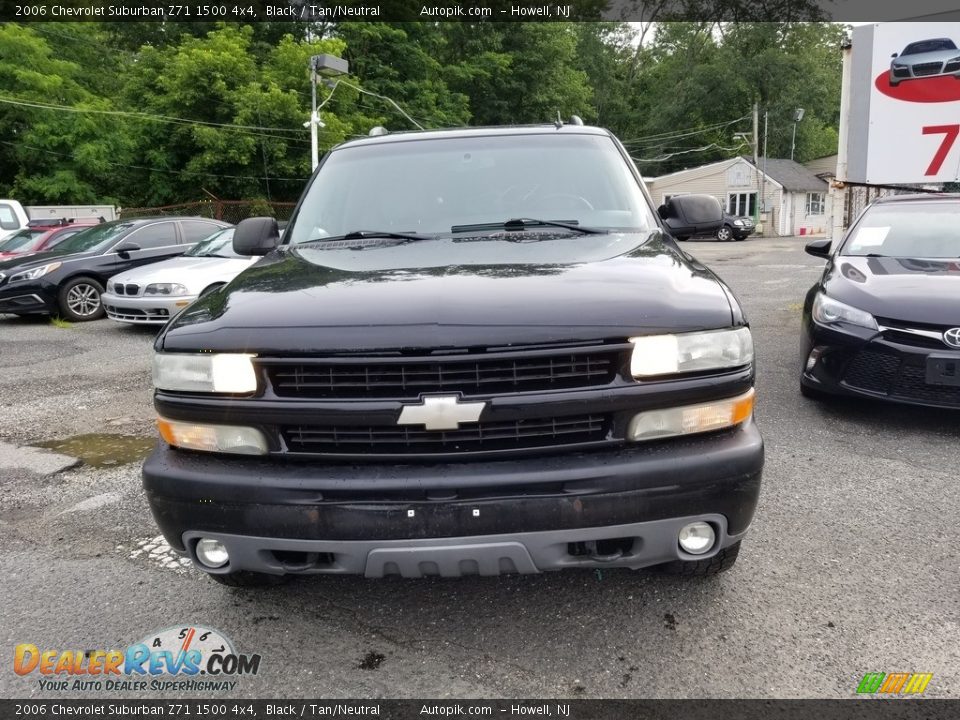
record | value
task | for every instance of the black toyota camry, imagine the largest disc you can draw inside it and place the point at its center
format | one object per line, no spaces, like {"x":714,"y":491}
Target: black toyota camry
{"x":884,"y":319}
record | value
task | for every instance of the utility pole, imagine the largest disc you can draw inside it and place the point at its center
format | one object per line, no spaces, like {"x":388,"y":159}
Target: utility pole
{"x":838,"y":192}
{"x":756,"y":158}
{"x":763,"y":199}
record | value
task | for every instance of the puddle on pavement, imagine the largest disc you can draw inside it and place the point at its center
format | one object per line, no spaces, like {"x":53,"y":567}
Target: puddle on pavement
{"x":103,"y":449}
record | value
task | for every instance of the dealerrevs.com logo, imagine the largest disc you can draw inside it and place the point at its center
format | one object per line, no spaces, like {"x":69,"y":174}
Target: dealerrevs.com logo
{"x":899,"y":683}
{"x":185,"y":658}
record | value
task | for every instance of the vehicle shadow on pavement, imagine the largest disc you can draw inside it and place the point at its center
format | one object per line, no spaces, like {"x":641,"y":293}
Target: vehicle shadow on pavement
{"x":879,"y":416}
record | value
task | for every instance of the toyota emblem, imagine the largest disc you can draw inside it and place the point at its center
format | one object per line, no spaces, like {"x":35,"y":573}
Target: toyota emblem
{"x":952,"y":337}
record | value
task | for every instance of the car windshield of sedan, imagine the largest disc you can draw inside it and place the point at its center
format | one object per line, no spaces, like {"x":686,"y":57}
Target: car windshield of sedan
{"x":220,"y":244}
{"x":99,"y":237}
{"x":929,"y":46}
{"x":21,"y":241}
{"x":917,"y":230}
{"x":428,"y":186}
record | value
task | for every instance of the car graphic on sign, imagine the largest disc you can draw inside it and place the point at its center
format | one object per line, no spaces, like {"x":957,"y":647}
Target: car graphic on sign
{"x":925,"y":58}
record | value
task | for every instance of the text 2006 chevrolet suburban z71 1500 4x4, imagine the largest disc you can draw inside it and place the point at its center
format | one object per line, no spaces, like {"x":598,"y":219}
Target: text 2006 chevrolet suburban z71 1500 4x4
{"x":475,"y":351}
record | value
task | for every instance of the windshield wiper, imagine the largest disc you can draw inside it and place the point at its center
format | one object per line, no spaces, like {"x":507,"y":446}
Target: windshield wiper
{"x":372,"y":234}
{"x":525,"y":223}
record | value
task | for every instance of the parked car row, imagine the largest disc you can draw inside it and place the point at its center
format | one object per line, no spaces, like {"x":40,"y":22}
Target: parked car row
{"x":68,"y":278}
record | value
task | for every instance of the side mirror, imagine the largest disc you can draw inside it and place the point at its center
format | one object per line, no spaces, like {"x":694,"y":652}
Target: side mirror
{"x":689,"y":215}
{"x":125,"y":250}
{"x":256,"y":236}
{"x":894,"y":55}
{"x":819,"y":248}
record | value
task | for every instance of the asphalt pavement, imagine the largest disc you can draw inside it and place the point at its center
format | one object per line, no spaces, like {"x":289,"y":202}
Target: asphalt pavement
{"x":852,"y":564}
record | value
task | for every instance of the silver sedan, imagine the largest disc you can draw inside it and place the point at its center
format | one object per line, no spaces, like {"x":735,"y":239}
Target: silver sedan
{"x":155,"y":293}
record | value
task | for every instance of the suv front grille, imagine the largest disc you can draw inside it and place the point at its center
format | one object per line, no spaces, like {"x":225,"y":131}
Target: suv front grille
{"x":476,"y":374}
{"x":475,"y":437}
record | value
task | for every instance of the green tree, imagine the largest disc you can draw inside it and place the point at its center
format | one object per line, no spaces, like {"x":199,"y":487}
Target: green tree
{"x":47,"y":153}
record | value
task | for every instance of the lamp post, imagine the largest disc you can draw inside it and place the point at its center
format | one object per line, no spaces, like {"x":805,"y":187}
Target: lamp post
{"x":797,"y":117}
{"x":327,"y":66}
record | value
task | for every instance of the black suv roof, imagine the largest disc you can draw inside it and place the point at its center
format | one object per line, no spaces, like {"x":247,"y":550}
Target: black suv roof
{"x":476,"y":132}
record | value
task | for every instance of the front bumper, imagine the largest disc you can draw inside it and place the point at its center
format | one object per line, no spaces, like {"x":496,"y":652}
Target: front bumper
{"x":859,"y":362}
{"x":144,"y":310}
{"x":741,"y":232}
{"x":522,"y":515}
{"x":28,"y":297}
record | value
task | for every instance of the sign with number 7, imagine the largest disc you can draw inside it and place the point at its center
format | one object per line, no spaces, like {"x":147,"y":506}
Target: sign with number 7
{"x":949,"y":133}
{"x":902,"y":93}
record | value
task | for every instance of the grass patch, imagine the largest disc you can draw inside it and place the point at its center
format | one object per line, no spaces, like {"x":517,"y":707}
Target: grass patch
{"x":59,"y":322}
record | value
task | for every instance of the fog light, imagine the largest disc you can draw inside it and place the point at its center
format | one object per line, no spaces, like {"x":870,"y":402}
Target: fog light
{"x":697,"y":538}
{"x":212,"y":553}
{"x":814,"y":357}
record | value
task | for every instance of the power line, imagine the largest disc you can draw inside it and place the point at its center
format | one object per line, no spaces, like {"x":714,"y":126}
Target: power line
{"x":153,"y":169}
{"x":677,"y":134}
{"x":399,"y":109}
{"x":146,"y":116}
{"x":711,"y":146}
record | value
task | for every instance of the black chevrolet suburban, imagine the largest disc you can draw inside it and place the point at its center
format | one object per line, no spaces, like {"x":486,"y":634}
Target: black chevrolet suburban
{"x":475,"y":351}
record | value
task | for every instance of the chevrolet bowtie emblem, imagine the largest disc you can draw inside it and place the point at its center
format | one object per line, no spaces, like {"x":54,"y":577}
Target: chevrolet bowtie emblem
{"x":441,"y":412}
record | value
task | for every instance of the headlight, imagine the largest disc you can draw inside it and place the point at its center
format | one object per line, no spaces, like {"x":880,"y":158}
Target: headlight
{"x":690,"y":352}
{"x":213,"y":438}
{"x":738,"y":222}
{"x":225,"y":373}
{"x":165,"y":289}
{"x":826,"y":311}
{"x":35,"y":273}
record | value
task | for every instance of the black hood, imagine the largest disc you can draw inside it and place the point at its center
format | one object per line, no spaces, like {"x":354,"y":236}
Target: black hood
{"x":291,"y":302}
{"x":910,"y":290}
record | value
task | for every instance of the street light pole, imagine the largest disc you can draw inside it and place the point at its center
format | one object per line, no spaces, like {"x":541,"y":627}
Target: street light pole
{"x":327,"y":65}
{"x":314,"y":151}
{"x":797,"y":117}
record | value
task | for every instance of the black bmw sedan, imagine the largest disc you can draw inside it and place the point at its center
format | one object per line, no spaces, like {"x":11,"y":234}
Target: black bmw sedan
{"x":69,"y":279}
{"x":884,"y":319}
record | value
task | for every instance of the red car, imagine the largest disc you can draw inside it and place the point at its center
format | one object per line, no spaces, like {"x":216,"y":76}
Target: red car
{"x":37,"y":239}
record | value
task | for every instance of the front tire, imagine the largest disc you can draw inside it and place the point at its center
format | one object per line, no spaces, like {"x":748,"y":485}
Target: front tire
{"x":724,"y":233}
{"x":721,"y":562}
{"x":79,"y":300}
{"x":247,"y":579}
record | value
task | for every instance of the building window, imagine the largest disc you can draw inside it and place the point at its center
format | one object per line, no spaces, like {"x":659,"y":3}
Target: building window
{"x":742,"y":204}
{"x":815,"y":204}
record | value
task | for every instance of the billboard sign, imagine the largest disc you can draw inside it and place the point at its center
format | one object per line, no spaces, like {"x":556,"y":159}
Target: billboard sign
{"x":904,"y":103}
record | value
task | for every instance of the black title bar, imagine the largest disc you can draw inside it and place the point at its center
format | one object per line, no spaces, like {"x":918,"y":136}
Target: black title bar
{"x":308,"y":11}
{"x":224,"y":709}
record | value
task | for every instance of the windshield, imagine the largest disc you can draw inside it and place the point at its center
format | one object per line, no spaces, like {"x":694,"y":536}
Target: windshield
{"x":428,"y":186}
{"x":98,"y":238}
{"x":21,"y":241}
{"x":220,"y":244}
{"x":914,"y":230}
{"x":926,"y":46}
